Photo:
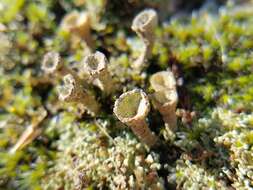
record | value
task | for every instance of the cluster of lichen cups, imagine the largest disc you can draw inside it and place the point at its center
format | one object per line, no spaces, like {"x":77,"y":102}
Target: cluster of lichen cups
{"x":132,"y":107}
{"x":213,"y":150}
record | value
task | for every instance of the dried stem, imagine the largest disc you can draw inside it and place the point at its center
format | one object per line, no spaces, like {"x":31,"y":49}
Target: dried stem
{"x":31,"y":132}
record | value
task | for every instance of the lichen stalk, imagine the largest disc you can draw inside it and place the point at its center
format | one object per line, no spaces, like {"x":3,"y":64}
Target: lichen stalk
{"x":141,"y":129}
{"x":166,"y":103}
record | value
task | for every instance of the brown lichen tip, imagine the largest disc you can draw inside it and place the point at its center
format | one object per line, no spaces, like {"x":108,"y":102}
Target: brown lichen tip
{"x":132,"y":108}
{"x":166,"y":102}
{"x":73,"y":91}
{"x":144,"y":25}
{"x":79,"y":24}
{"x":163,"y":80}
{"x":96,"y":67}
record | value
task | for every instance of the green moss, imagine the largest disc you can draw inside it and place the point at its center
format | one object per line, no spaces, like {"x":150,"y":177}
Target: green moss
{"x":10,"y":9}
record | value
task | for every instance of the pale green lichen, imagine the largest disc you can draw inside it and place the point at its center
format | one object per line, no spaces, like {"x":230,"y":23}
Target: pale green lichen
{"x":98,"y":161}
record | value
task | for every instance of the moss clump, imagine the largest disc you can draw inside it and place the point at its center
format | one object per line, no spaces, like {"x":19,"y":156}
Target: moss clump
{"x":87,"y":157}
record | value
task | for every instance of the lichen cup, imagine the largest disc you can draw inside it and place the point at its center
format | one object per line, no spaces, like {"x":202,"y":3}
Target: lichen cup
{"x":132,"y":108}
{"x":163,"y":80}
{"x":73,"y":91}
{"x":79,"y":24}
{"x":96,"y":66}
{"x":144,"y":25}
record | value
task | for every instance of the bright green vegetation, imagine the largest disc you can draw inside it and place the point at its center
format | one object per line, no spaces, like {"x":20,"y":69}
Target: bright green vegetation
{"x":211,"y":53}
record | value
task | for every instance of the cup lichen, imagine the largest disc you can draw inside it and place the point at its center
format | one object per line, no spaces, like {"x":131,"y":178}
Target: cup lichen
{"x":96,"y":67}
{"x":144,"y":25}
{"x":163,"y":80}
{"x":132,"y":108}
{"x":53,"y":65}
{"x":73,"y":91}
{"x":79,"y":24}
{"x":165,"y":97}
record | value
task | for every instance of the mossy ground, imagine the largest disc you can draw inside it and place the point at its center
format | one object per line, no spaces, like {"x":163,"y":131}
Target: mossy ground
{"x":209,"y":51}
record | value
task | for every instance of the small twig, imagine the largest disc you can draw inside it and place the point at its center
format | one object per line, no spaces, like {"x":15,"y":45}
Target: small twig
{"x":105,"y":132}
